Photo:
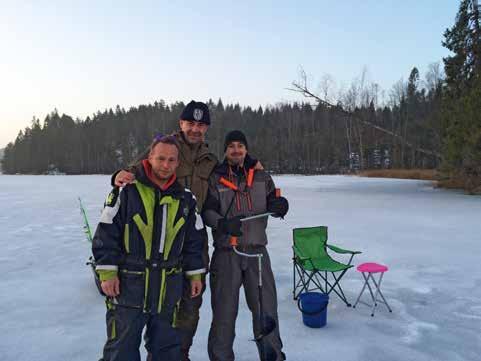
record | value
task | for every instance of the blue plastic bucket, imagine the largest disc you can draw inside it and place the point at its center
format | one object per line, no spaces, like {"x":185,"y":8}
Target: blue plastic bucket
{"x":313,"y":306}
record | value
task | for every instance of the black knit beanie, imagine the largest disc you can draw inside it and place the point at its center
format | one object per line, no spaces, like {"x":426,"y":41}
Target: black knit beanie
{"x":235,"y":136}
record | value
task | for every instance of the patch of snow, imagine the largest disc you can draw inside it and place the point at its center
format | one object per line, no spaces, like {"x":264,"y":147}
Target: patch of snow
{"x":429,"y":238}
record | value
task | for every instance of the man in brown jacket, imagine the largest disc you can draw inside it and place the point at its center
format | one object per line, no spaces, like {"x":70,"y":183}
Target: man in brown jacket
{"x":196,"y":163}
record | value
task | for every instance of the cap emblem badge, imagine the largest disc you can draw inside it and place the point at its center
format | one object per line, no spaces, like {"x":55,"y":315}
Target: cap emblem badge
{"x":198,"y":113}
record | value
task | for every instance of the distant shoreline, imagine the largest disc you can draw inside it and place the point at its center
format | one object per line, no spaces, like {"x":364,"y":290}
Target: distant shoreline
{"x":420,"y":174}
{"x":424,"y":174}
{"x":416,"y":174}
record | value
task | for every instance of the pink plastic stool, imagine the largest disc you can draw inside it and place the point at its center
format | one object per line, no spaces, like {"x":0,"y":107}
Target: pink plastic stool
{"x":367,"y":270}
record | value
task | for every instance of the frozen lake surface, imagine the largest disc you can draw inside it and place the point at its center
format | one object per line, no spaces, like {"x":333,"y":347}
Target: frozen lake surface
{"x":430,"y":239}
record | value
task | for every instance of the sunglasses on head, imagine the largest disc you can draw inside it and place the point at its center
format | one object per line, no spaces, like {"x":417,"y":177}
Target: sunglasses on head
{"x":159,"y":137}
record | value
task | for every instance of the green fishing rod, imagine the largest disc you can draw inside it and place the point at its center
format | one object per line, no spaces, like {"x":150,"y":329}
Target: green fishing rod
{"x":88,"y":234}
{"x":86,"y":227}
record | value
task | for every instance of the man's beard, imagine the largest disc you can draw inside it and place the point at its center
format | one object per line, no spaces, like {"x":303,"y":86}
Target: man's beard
{"x":160,"y":176}
{"x":236,"y":161}
{"x":198,"y":138}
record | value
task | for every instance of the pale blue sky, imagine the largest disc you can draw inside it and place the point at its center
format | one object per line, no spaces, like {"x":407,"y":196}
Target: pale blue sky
{"x":84,"y":56}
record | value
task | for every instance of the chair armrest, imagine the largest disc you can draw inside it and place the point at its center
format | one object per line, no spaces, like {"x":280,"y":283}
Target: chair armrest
{"x":340,"y":250}
{"x":298,"y":254}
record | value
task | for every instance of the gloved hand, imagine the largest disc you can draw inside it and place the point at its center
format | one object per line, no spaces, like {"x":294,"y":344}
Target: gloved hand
{"x":279,"y":206}
{"x":230,"y":226}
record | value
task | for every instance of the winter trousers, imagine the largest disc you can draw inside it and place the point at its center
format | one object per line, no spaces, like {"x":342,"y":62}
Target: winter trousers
{"x":124,"y":332}
{"x":188,"y":316}
{"x":228,"y":272}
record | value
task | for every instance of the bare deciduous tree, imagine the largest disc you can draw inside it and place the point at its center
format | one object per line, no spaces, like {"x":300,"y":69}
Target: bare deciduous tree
{"x":355,"y":94}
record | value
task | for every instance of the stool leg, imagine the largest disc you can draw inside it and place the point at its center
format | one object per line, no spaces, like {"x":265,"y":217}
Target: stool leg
{"x":377,"y":285}
{"x":362,"y":290}
{"x":369,"y":276}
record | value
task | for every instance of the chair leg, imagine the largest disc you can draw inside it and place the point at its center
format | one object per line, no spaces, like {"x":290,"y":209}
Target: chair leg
{"x":302,"y":284}
{"x":325,"y":279}
{"x":336,"y":283}
{"x":309,"y":280}
{"x":344,"y":298}
{"x":303,"y":279}
{"x":297,"y":283}
{"x":293,"y":279}
{"x":316,"y":281}
{"x":332,"y":287}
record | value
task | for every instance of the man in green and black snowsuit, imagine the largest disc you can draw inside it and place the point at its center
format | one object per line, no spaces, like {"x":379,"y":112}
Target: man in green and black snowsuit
{"x":196,"y":163}
{"x":148,"y":239}
{"x":237,"y":190}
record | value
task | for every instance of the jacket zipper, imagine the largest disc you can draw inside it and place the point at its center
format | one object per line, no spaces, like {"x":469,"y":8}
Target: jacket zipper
{"x":153,"y":274}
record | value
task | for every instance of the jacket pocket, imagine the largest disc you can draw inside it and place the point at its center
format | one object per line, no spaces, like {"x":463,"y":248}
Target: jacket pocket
{"x":204,"y":171}
{"x":173,"y":290}
{"x":132,"y":289}
{"x":111,"y":324}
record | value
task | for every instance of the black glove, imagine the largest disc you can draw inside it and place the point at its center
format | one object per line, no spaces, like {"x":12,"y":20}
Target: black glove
{"x":279,"y":206}
{"x":230,"y":226}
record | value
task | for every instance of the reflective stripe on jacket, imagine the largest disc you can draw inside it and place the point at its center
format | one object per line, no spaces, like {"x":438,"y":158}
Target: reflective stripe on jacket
{"x":149,"y":237}
{"x":223,"y":202}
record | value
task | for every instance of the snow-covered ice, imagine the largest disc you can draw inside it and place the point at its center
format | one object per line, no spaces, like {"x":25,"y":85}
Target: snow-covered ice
{"x":430,"y":239}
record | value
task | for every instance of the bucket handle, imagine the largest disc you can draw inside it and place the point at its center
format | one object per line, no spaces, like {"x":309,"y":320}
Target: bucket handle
{"x":310,"y":313}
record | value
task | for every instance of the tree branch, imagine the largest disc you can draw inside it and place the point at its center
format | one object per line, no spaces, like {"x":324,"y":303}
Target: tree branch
{"x":301,"y":88}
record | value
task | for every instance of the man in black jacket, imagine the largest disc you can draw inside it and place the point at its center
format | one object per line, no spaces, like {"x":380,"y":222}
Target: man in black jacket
{"x":148,"y":237}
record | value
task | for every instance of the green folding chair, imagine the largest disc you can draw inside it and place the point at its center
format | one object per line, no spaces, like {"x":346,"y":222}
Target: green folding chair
{"x":312,"y":263}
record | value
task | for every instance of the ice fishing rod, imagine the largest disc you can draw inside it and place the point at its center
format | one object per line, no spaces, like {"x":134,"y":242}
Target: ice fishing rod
{"x":267,"y":214}
{"x":234,"y":242}
{"x":88,"y":234}
{"x":86,"y":227}
{"x":266,"y":322}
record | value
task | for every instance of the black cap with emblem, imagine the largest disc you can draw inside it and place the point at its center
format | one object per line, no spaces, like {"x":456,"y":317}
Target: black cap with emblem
{"x":197,"y":112}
